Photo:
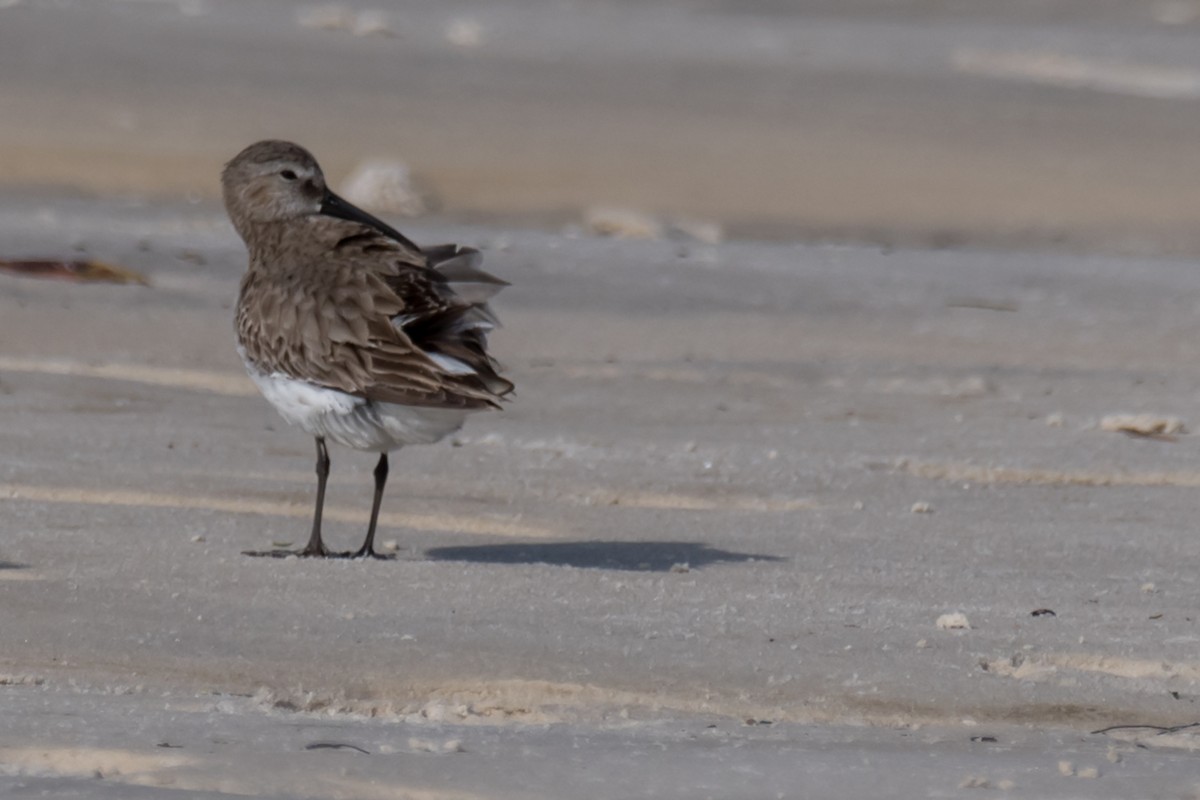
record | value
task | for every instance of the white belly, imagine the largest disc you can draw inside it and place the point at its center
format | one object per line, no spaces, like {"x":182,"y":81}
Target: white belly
{"x":353,"y":421}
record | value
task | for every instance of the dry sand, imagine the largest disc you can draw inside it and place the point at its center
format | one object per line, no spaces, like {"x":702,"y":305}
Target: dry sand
{"x":684,"y":562}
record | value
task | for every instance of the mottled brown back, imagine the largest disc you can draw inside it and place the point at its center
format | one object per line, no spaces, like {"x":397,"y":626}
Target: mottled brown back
{"x":318,"y":304}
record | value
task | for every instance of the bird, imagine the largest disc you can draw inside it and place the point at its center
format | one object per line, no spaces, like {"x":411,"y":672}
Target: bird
{"x":349,"y":329}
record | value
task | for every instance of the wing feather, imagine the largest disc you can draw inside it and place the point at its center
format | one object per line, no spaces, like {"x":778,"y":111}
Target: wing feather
{"x":376,"y":317}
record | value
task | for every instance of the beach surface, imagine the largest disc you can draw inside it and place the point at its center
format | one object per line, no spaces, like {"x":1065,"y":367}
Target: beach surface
{"x":1048,"y":122}
{"x":887,"y":492}
{"x":709,"y":547}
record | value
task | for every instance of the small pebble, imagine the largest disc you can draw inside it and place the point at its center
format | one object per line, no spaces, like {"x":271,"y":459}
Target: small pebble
{"x":956,"y":621}
{"x":621,"y":223}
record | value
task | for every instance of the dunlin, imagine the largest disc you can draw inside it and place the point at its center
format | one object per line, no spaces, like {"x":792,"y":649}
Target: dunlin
{"x":349,"y":329}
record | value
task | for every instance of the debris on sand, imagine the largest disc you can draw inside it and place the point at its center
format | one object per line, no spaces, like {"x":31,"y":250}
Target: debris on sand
{"x":75,"y":271}
{"x":1143,"y":424}
{"x":336,"y":746}
{"x":621,"y":223}
{"x":630,"y":223}
{"x":21,"y":680}
{"x":1068,"y":770}
{"x":956,"y":621}
{"x":418,"y":745}
{"x":385,"y":184}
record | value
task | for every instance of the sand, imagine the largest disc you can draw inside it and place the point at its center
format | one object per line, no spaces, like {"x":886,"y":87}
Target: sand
{"x":697,"y":512}
{"x":1069,"y":123}
{"x":829,"y":505}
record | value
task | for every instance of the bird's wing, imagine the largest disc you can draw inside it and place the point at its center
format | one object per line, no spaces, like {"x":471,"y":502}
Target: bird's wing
{"x":408,"y":326}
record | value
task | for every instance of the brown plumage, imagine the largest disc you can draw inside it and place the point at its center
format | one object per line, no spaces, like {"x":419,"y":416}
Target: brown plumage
{"x":349,"y":329}
{"x":321,"y":294}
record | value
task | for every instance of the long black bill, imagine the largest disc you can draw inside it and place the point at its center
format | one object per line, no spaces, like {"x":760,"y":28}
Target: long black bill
{"x":334,"y":206}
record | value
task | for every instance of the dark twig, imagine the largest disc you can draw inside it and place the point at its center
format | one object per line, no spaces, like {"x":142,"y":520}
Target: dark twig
{"x":1162,"y":729}
{"x":335,"y":746}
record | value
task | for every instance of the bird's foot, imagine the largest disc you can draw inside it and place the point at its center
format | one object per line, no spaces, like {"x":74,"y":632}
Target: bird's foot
{"x":364,"y":552}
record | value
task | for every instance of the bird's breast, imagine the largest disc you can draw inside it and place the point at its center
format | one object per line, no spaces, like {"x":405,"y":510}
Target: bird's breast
{"x":349,"y":420}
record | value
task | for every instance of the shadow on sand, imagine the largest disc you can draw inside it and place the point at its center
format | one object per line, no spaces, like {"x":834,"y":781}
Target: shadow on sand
{"x":642,"y":556}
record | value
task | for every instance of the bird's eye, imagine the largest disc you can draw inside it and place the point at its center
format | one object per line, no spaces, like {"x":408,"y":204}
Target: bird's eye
{"x":288,"y":175}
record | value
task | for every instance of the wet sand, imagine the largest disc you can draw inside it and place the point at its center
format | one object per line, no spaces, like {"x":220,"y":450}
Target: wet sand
{"x":1036,"y":124}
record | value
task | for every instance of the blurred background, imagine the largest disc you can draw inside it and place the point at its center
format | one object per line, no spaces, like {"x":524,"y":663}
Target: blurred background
{"x":990,"y":123}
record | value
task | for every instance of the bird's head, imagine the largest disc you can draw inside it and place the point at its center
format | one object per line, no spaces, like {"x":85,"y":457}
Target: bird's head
{"x":272,"y":181}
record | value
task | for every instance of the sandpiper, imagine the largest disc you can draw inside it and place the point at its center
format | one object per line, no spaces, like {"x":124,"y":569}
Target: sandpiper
{"x":349,"y":329}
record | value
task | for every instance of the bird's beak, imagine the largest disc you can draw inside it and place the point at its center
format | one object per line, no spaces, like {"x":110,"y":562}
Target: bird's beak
{"x":334,"y":206}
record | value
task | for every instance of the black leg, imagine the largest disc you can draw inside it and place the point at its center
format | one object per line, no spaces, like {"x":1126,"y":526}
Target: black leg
{"x":368,"y":548}
{"x":315,"y":546}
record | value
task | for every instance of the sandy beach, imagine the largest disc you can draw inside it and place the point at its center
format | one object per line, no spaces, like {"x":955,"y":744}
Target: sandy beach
{"x":838,"y":505}
{"x":1049,"y":123}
